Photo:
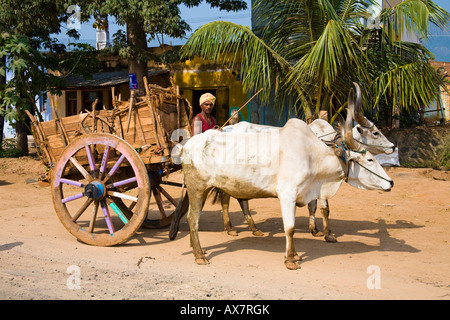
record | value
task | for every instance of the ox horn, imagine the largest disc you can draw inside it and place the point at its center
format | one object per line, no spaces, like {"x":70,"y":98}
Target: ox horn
{"x":352,"y":144}
{"x":354,"y":104}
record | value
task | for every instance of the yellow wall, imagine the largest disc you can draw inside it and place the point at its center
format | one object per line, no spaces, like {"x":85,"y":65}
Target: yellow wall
{"x":229,"y":91}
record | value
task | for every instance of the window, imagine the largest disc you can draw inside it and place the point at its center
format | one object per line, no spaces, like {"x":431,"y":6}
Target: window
{"x":71,"y":103}
{"x":88,"y":99}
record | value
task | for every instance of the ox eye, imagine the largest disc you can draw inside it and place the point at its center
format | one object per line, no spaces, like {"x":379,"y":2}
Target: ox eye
{"x":376,"y":133}
{"x":370,"y":160}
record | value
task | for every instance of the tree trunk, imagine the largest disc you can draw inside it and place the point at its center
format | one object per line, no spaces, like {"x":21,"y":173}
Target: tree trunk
{"x":2,"y":122}
{"x":138,"y":41}
{"x":2,"y":119}
{"x":22,"y":135}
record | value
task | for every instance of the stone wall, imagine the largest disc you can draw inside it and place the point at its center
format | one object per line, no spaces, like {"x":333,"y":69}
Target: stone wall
{"x":419,"y":145}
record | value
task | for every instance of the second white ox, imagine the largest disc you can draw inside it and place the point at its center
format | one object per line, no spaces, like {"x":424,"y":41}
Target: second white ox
{"x":289,"y":163}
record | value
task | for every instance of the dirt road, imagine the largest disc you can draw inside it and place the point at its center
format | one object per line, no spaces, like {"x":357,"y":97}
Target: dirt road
{"x":390,"y":245}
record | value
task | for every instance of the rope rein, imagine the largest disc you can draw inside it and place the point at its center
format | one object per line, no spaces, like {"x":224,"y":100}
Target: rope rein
{"x":342,"y":144}
{"x":373,"y":172}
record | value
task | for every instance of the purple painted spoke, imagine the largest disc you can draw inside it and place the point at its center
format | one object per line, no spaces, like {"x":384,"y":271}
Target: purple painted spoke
{"x":71,"y":198}
{"x":72,"y":182}
{"x":107,"y":217}
{"x":91,"y":159}
{"x":116,"y":166}
{"x":104,"y":161}
{"x":121,"y":183}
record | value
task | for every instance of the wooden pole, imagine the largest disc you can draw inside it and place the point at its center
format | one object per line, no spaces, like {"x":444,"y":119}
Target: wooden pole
{"x":130,"y":108}
{"x":242,"y":107}
{"x":178,"y":109}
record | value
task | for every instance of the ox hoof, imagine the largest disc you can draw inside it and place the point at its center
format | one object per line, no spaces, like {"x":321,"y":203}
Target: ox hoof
{"x":258,"y":233}
{"x":331,"y":238}
{"x":202,"y":261}
{"x":317,"y":233}
{"x":232,"y":233}
{"x":292,"y":265}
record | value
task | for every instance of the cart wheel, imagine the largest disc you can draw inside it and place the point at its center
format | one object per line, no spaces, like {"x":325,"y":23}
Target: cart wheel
{"x":168,"y":196}
{"x":104,"y":201}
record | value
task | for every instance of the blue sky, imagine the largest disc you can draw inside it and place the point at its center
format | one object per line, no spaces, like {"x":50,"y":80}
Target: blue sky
{"x":439,"y":42}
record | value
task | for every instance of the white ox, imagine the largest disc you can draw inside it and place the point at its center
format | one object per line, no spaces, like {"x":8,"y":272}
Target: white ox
{"x":365,"y":133}
{"x":289,"y":163}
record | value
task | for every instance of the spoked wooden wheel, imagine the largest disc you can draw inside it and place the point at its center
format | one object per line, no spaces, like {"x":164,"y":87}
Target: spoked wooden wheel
{"x":100,"y":189}
{"x":166,"y":198}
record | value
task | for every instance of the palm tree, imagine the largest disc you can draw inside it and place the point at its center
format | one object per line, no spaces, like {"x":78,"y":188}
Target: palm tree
{"x":310,"y":52}
{"x":402,"y":76}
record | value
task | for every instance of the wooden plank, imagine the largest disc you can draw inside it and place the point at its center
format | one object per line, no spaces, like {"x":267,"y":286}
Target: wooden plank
{"x":139,"y":128}
{"x":40,"y":139}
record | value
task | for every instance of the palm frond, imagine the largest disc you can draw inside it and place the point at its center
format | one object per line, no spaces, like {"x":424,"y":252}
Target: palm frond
{"x":418,"y":82}
{"x":412,"y":17}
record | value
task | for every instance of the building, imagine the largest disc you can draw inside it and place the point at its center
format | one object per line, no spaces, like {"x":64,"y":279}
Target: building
{"x":79,"y":94}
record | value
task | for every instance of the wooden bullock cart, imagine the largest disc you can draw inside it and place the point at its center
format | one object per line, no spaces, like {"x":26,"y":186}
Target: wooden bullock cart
{"x":104,"y":165}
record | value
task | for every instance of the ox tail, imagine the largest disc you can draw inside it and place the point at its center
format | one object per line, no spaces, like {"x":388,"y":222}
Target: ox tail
{"x":174,"y":225}
{"x":183,"y":206}
{"x":181,"y":209}
{"x":216,"y":195}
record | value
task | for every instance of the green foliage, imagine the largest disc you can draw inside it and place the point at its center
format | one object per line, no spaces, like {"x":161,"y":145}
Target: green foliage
{"x":27,"y":51}
{"x":30,"y":80}
{"x":444,"y":157}
{"x":9,"y":150}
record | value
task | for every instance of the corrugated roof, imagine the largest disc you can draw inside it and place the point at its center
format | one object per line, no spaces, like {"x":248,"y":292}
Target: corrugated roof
{"x":106,"y":79}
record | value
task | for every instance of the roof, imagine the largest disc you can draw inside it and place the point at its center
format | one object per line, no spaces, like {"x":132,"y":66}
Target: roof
{"x":106,"y":79}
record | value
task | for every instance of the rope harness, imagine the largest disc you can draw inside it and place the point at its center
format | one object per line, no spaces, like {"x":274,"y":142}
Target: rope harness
{"x":346,"y":151}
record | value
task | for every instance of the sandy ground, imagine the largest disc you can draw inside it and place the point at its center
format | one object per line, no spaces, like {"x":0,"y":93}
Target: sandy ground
{"x":390,"y":245}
